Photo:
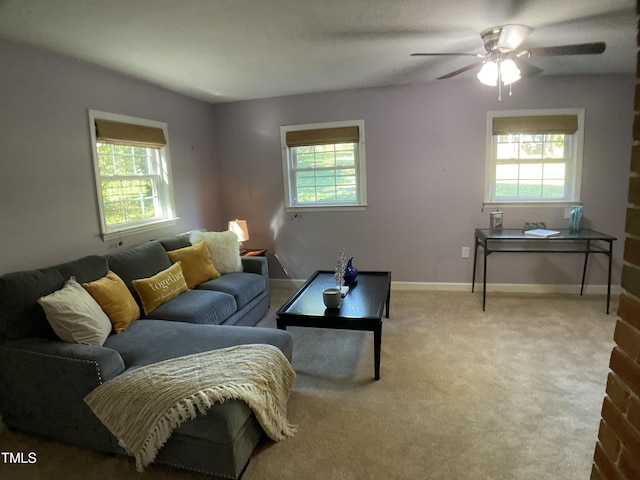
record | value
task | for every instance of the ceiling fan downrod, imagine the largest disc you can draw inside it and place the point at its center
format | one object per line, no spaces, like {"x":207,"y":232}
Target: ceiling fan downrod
{"x":499,"y":80}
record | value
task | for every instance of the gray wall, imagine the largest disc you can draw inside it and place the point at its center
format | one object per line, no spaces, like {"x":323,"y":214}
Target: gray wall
{"x":425,"y":166}
{"x":48,"y":207}
{"x":425,"y":174}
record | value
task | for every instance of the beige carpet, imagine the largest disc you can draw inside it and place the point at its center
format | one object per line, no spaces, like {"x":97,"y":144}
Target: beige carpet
{"x":511,"y":393}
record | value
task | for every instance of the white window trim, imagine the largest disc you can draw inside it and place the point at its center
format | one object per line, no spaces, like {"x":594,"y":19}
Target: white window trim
{"x":110,"y":233}
{"x":360,"y":168}
{"x":577,"y":146}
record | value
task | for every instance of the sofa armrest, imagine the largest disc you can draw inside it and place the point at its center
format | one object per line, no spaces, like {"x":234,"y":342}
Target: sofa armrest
{"x":257,"y":265}
{"x":42,"y":352}
{"x":44,"y":383}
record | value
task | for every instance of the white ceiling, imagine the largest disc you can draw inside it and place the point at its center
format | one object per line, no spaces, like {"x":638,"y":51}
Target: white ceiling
{"x":227,"y":50}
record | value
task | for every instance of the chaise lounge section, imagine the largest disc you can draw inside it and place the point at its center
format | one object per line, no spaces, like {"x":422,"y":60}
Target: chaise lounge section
{"x":46,"y":379}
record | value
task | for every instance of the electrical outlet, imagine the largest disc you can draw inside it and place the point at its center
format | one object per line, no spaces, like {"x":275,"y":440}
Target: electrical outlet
{"x":465,"y":252}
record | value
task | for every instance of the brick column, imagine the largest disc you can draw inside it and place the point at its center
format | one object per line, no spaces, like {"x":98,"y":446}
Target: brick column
{"x":617,"y":452}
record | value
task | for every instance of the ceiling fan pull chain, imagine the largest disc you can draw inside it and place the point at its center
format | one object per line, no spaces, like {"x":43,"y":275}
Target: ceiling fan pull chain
{"x":499,"y":80}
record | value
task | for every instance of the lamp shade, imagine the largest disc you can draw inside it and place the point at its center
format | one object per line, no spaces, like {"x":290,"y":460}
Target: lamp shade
{"x":239,"y":227}
{"x":507,"y":69}
{"x":509,"y":72}
{"x":488,"y":74}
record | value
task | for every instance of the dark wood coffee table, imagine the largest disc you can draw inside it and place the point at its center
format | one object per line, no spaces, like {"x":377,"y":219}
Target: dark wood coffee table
{"x":362,"y":308}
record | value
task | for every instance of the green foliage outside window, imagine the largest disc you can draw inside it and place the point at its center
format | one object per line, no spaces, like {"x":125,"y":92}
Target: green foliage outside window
{"x":325,"y":173}
{"x":128,"y":183}
{"x":530,"y":166}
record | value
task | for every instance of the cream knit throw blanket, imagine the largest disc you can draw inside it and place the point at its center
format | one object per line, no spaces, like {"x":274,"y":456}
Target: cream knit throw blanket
{"x":143,"y":407}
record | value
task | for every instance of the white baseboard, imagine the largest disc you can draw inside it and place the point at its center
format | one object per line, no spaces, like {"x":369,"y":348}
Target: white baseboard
{"x":506,"y":287}
{"x":286,"y":282}
{"x":466,"y":287}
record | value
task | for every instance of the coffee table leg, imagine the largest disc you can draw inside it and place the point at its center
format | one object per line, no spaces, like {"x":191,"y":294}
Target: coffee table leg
{"x":377,"y":342}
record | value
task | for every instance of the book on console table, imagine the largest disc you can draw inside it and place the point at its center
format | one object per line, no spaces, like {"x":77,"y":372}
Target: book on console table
{"x":541,"y":232}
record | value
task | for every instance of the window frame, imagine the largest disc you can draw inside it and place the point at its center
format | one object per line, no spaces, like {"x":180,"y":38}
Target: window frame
{"x":164,"y":183}
{"x":360,"y":168}
{"x":573,"y":169}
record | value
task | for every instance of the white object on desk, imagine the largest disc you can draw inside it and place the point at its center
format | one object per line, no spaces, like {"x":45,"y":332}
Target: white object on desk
{"x":541,"y":232}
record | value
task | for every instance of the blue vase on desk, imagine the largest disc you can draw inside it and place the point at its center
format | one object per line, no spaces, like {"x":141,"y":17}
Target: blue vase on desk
{"x":575,"y":218}
{"x":350,"y":273}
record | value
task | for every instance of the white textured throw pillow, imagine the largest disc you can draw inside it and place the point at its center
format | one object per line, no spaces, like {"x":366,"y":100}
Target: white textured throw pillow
{"x":223,"y":247}
{"x":75,"y":316}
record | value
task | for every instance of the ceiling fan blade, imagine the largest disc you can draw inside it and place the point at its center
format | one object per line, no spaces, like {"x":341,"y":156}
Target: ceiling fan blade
{"x":577,"y":49}
{"x":461,"y":70}
{"x":479,"y":55}
{"x":528,"y":70}
{"x":512,"y":36}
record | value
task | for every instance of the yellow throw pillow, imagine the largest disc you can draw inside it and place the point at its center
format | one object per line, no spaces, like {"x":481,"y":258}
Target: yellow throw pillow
{"x":115,"y":299}
{"x":162,"y":287}
{"x":196,"y":264}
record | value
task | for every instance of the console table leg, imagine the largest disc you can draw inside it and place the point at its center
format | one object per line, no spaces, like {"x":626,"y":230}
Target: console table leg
{"x":484,"y":280}
{"x":584,"y":268}
{"x":475,"y":256}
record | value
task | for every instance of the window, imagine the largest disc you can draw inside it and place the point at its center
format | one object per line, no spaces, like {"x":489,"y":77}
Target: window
{"x":324,"y":166}
{"x":133,"y":174}
{"x":534,"y":157}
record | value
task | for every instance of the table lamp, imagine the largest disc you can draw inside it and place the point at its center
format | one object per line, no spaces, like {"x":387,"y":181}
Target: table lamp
{"x":239,"y":227}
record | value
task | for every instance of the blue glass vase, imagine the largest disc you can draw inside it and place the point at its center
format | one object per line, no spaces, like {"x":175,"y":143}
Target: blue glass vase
{"x":575,"y":218}
{"x":350,"y":273}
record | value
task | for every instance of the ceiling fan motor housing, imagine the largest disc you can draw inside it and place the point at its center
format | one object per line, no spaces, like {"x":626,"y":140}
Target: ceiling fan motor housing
{"x":490,"y":37}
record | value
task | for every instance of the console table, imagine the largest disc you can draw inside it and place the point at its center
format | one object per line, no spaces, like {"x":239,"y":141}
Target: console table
{"x":515,"y":241}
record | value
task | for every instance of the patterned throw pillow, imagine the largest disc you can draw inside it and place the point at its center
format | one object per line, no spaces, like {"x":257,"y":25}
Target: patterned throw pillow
{"x":162,"y":287}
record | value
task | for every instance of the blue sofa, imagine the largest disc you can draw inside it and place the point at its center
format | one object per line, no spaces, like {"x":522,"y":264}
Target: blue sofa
{"x":44,"y":380}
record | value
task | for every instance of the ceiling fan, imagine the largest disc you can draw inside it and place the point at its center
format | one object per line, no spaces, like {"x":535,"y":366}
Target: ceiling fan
{"x":502,"y":45}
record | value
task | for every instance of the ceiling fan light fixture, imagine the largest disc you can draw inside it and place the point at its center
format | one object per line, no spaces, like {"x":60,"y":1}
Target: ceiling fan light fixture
{"x":509,"y":72}
{"x":503,"y":45}
{"x":506,"y":70}
{"x":488,"y":74}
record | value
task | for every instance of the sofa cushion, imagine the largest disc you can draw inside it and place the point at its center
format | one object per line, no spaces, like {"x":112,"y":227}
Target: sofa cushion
{"x":175,"y":242}
{"x":196,"y":263}
{"x":243,"y":286}
{"x":114,"y":298}
{"x":160,"y":288}
{"x":223,"y":247}
{"x":176,"y":339}
{"x":197,"y":306}
{"x":224,"y":422}
{"x":141,"y":261}
{"x":75,"y":316}
{"x":20,"y":314}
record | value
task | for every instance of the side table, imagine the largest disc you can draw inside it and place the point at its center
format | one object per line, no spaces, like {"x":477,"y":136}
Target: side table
{"x":253,"y":252}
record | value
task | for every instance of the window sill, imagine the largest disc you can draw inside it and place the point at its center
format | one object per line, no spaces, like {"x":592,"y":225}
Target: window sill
{"x":327,"y":208}
{"x":562,"y":204}
{"x":132,"y":230}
